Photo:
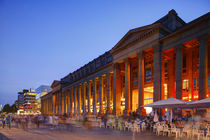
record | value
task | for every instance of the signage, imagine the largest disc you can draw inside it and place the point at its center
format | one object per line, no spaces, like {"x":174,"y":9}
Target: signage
{"x":135,"y":81}
{"x":148,"y":75}
{"x":30,"y":93}
{"x":195,"y":84}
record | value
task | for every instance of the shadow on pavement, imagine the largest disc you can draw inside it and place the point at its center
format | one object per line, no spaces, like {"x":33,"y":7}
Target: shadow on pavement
{"x":2,"y":137}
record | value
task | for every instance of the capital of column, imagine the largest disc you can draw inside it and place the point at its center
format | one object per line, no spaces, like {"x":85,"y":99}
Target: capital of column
{"x":203,"y":37}
{"x":178,"y":47}
{"x":203,"y":66}
{"x":139,"y":53}
{"x":156,"y":47}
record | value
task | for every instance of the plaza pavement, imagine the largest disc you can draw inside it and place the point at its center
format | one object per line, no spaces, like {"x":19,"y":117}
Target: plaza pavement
{"x":76,"y":133}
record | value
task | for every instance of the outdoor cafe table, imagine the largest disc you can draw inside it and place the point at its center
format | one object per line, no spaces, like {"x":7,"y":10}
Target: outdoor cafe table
{"x":205,"y":130}
{"x":180,"y":129}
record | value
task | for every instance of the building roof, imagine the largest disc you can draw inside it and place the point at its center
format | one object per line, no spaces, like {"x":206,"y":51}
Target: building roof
{"x":170,"y":23}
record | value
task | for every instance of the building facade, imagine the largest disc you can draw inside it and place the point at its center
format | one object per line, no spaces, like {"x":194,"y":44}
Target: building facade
{"x":50,"y":102}
{"x":27,"y":102}
{"x":41,"y":91}
{"x":21,"y":101}
{"x":168,"y":58}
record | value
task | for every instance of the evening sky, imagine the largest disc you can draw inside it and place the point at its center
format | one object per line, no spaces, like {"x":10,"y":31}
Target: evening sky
{"x":44,"y":40}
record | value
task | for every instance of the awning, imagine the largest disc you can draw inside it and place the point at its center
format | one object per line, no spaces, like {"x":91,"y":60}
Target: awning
{"x":204,"y":103}
{"x":167,"y":103}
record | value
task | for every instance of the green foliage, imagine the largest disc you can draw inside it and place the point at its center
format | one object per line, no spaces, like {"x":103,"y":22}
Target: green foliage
{"x":6,"y":108}
{"x":13,"y":108}
{"x":9,"y":109}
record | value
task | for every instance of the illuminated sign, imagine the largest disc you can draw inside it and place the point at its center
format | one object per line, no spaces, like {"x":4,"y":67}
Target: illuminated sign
{"x":30,"y":93}
{"x":148,"y":75}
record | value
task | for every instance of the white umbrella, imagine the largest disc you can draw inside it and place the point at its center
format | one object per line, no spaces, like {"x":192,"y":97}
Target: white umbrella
{"x":204,"y":103}
{"x":167,"y":103}
{"x":167,"y":115}
{"x":156,"y":117}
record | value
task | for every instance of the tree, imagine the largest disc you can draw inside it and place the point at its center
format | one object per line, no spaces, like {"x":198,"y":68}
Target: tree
{"x":13,"y":108}
{"x":6,"y":108}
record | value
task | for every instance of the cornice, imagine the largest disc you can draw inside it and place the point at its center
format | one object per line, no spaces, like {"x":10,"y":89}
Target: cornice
{"x":141,"y":37}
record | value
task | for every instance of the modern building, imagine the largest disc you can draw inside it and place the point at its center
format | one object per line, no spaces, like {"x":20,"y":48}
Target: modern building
{"x":21,"y":101}
{"x":1,"y":107}
{"x":41,"y":91}
{"x":50,"y":103}
{"x":27,"y":102}
{"x":168,"y":58}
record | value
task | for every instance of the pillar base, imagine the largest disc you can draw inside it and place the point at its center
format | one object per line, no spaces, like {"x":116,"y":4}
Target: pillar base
{"x":139,"y":111}
{"x":125,"y":113}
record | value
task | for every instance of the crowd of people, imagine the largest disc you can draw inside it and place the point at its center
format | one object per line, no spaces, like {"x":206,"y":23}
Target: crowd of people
{"x":53,"y":121}
{"x":34,"y":121}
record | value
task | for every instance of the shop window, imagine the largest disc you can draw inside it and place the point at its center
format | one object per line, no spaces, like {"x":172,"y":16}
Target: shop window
{"x":148,"y":71}
{"x":195,"y":84}
{"x":166,"y":70}
{"x":185,"y":85}
{"x":148,"y":75}
{"x":184,"y":64}
{"x":134,"y":77}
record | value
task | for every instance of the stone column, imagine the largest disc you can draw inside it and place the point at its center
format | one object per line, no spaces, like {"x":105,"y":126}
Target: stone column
{"x":203,"y":67}
{"x":107,"y":94}
{"x":114,"y":88}
{"x":60,"y":108}
{"x":70,"y":106}
{"x":179,"y":71}
{"x":156,"y":73}
{"x":127,"y":73}
{"x":140,"y":79}
{"x":100,"y":94}
{"x":57,"y":103}
{"x":162,"y":77}
{"x":52,"y":104}
{"x":78,"y":100}
{"x":171,"y":77}
{"x":64,"y":102}
{"x":83,"y":98}
{"x":88,"y":96}
{"x":94,"y":97}
{"x":54,"y":110}
{"x":74,"y":91}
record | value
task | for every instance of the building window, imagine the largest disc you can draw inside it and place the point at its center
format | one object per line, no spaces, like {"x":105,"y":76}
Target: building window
{"x":185,"y":85}
{"x":184,"y":64}
{"x":166,"y":70}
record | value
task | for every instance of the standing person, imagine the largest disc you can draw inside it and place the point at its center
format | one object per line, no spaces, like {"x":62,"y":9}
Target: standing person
{"x":16,"y":121}
{"x":23,"y":122}
{"x":26,"y":124}
{"x":105,"y":120}
{"x":38,"y":121}
{"x":8,"y":121}
{"x":50,"y":120}
{"x":54,"y":118}
{"x":19,"y":121}
{"x":3,"y":122}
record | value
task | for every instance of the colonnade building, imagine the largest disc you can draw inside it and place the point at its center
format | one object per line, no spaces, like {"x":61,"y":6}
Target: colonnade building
{"x":168,"y":58}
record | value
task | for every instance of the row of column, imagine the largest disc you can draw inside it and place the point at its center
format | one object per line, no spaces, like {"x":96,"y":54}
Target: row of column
{"x":158,"y":74}
{"x":46,"y":106}
{"x":82,"y":98}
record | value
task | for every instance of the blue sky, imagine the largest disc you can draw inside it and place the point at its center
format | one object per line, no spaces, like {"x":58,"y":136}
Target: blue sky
{"x":43,"y":40}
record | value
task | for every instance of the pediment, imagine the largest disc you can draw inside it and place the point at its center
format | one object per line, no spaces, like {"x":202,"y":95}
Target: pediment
{"x":55,"y":83}
{"x":133,"y":35}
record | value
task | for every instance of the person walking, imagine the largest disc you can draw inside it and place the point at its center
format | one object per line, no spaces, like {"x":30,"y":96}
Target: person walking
{"x":105,"y":120}
{"x":3,"y":121}
{"x":8,"y":121}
